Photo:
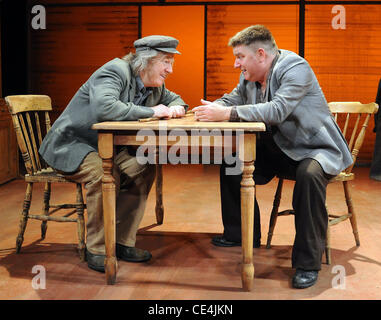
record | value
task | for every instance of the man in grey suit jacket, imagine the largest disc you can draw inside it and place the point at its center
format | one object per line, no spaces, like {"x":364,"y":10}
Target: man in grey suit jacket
{"x":123,"y":89}
{"x":302,"y":141}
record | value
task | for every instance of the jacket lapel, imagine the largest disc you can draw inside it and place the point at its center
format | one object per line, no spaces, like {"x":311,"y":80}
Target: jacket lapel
{"x":132,"y":88}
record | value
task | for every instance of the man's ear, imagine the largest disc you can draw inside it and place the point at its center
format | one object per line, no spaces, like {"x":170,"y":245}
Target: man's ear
{"x":261,"y":54}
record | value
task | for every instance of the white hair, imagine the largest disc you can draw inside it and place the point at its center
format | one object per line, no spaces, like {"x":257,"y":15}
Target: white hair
{"x":140,"y":60}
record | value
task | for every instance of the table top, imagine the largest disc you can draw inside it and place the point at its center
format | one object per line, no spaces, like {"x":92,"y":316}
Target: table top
{"x":185,"y":123}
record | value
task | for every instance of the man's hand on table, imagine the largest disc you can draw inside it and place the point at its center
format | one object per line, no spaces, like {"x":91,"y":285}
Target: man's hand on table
{"x":177,"y":111}
{"x":211,"y":111}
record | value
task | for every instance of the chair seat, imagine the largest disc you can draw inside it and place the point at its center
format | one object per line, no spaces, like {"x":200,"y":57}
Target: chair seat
{"x":46,"y":175}
{"x":343,"y":176}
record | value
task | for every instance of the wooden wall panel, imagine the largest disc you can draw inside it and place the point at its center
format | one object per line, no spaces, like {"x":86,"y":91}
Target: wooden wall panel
{"x":225,"y":21}
{"x":81,"y":37}
{"x":347,"y":62}
{"x":343,"y":1}
{"x":82,"y":2}
{"x":227,"y":1}
{"x":76,"y":41}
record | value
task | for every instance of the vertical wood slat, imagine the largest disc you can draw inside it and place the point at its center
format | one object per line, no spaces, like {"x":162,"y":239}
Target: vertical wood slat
{"x":47,"y":121}
{"x":22,"y":144}
{"x":359,"y":140}
{"x":38,"y":127}
{"x":353,"y":135}
{"x":28,"y":155}
{"x":33,"y":140}
{"x":346,"y":124}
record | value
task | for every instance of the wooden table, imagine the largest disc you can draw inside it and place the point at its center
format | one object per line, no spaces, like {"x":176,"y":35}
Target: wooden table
{"x":125,"y":133}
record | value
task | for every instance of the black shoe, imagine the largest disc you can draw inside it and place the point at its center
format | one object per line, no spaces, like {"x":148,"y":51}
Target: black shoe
{"x":132,"y":254}
{"x":221,"y":241}
{"x":95,"y":261}
{"x":303,"y":278}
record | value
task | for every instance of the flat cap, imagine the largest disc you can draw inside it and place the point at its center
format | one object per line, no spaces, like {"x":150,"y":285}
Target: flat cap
{"x":161,"y":43}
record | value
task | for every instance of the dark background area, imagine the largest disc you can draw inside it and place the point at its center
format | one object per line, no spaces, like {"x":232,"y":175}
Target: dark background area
{"x":14,"y":46}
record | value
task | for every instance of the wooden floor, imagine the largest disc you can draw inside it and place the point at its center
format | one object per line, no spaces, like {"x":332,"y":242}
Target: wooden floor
{"x":185,"y":265}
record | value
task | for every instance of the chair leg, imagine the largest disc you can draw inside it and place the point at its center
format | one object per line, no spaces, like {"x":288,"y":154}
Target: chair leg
{"x":44,"y":224}
{"x":24,"y":216}
{"x":274,"y":212}
{"x":351,"y":212}
{"x":159,"y":209}
{"x":80,"y":223}
{"x":328,"y":246}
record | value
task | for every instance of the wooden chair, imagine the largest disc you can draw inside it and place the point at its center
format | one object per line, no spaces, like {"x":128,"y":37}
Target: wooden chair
{"x":30,"y":115}
{"x":355,"y":117}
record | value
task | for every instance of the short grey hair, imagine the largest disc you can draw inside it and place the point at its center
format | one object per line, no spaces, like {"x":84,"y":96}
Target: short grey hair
{"x":140,"y":60}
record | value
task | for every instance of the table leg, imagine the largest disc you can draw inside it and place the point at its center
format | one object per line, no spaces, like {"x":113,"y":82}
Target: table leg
{"x":159,"y":209}
{"x":106,"y":152}
{"x":247,"y":210}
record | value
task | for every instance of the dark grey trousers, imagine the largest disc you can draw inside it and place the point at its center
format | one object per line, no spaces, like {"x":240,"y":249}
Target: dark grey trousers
{"x":311,"y":218}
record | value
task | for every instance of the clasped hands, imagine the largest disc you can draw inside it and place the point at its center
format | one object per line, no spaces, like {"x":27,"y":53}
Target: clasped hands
{"x":162,"y":111}
{"x":208,"y":111}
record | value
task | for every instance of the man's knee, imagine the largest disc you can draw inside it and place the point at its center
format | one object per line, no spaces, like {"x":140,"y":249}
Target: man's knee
{"x":310,"y":173}
{"x":309,"y":170}
{"x":90,"y":170}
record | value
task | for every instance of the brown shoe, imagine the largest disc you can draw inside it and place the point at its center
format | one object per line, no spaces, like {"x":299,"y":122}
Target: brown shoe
{"x":132,"y":254}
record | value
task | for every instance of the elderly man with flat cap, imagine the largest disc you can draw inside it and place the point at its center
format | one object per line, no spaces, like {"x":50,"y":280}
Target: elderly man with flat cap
{"x":130,"y":88}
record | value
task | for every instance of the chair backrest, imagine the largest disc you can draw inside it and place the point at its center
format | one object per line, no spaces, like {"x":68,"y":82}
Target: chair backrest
{"x":30,"y":116}
{"x":353,"y":119}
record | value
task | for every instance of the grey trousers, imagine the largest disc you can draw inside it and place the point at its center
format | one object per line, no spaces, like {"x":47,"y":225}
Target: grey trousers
{"x":133,"y":182}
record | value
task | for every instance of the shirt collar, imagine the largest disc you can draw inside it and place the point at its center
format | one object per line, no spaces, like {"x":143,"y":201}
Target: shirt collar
{"x":140,"y":84}
{"x":271,"y":69}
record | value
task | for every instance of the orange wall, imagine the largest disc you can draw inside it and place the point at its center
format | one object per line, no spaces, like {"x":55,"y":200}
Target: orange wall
{"x":224,"y":21}
{"x":185,"y":23}
{"x":75,"y":43}
{"x":79,"y":39}
{"x":346,"y":61}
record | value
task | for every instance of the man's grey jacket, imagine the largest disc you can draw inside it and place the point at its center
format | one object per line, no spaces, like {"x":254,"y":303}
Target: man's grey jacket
{"x":298,"y":108}
{"x":106,"y":96}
